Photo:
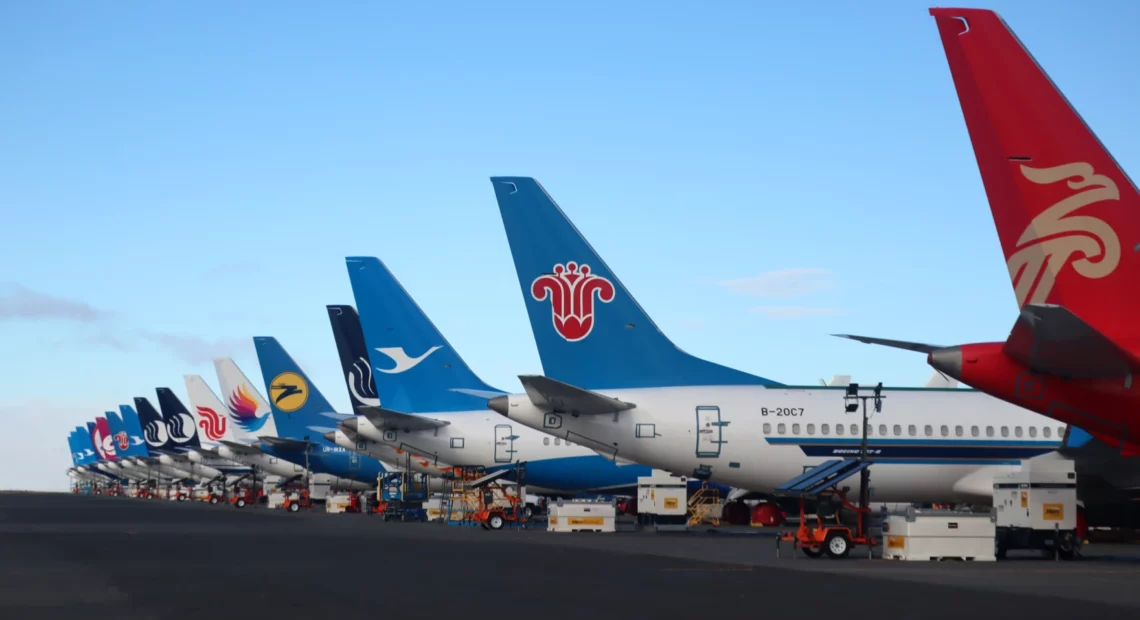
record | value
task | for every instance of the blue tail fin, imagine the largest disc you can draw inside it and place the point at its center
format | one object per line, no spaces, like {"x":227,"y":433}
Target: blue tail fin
{"x":134,"y":430}
{"x":119,"y":436}
{"x":83,"y":442}
{"x":417,"y":369}
{"x":354,"y":361}
{"x":589,"y":330}
{"x":73,"y":447}
{"x":297,"y":404}
{"x":154,"y":428}
{"x":179,"y":422}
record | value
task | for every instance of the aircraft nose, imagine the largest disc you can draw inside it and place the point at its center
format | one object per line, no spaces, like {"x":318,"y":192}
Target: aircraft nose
{"x":351,"y":424}
{"x":499,"y":404}
{"x":947,"y":361}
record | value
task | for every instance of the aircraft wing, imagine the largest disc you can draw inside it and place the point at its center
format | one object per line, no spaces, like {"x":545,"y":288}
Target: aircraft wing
{"x":897,"y":344}
{"x":558,"y":397}
{"x":387,"y":419}
{"x":1052,"y":340}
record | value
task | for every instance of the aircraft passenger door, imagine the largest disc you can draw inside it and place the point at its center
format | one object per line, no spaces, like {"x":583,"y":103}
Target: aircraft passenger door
{"x":504,"y":443}
{"x":709,"y":432}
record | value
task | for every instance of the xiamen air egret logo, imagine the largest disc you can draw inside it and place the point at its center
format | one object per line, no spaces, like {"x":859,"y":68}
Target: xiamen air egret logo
{"x":404,"y":362}
{"x":1056,"y":238}
{"x":571,"y":289}
{"x":212,"y":424}
{"x":289,"y":391}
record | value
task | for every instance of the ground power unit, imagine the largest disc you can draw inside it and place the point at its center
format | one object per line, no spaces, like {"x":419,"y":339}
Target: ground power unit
{"x":1036,"y":508}
{"x":663,"y":501}
{"x":581,"y":516}
{"x":938,"y":535}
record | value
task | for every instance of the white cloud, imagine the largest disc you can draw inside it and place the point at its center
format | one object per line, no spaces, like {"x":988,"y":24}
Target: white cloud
{"x":784,"y":283}
{"x":22,"y":303}
{"x":795,"y":312}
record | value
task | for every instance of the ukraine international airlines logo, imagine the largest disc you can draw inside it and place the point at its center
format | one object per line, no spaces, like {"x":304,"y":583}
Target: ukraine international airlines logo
{"x":571,"y":289}
{"x":289,"y":391}
{"x":1055,"y":237}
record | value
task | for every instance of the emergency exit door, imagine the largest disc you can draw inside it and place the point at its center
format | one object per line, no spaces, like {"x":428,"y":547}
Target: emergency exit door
{"x":709,"y":432}
{"x":504,"y":443}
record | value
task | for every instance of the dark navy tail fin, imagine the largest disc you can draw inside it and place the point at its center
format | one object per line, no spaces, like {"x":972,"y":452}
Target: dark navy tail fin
{"x":179,"y":422}
{"x":297,"y":404}
{"x":354,"y":361}
{"x":154,"y":428}
{"x":589,"y":330}
{"x":418,"y":368}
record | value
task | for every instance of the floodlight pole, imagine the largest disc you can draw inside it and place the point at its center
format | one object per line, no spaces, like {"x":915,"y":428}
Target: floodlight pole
{"x":865,"y":475}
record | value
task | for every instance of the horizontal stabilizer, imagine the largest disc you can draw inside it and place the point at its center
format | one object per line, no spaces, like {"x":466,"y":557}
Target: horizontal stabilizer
{"x":558,"y":397}
{"x":488,"y":394}
{"x":939,"y":380}
{"x":240,"y":447}
{"x":287,"y":444}
{"x":917,"y":347}
{"x":321,"y":430}
{"x":339,"y":417}
{"x":386,"y":419}
{"x":1052,"y":340}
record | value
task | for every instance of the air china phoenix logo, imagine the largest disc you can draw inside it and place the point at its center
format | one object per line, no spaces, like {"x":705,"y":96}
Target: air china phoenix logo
{"x":1054,"y":238}
{"x":243,"y":410}
{"x":123,"y":440}
{"x":571,"y":289}
{"x":213,"y":424}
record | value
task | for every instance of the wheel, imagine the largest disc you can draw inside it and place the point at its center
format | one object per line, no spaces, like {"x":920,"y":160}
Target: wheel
{"x":495,"y":522}
{"x":294,"y":507}
{"x":837,"y":545}
{"x":213,"y":499}
{"x":811,"y":553}
{"x":1068,"y":546}
{"x":241,"y":502}
{"x":528,"y":512}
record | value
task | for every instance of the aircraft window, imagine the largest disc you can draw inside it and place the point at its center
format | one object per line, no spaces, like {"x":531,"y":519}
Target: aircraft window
{"x":898,"y":430}
{"x":870,"y":429}
{"x":883,"y":430}
{"x":767,"y":428}
{"x":1048,"y":432}
{"x":838,"y":429}
{"x":929,"y":430}
{"x":957,"y":431}
{"x":781,"y":428}
{"x":1060,"y":432}
{"x":546,"y":441}
{"x":795,"y":429}
{"x":557,"y":441}
{"x":912,"y":430}
{"x":1032,"y":431}
{"x":945,"y":430}
{"x":569,"y":443}
{"x":825,"y":429}
{"x":855,"y":429}
{"x":989,"y":431}
{"x":974,"y":431}
{"x":811,"y":429}
{"x":1017,"y":431}
{"x":1005,"y":431}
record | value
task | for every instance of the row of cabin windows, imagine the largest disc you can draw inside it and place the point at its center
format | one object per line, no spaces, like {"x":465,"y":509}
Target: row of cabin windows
{"x":557,"y":441}
{"x":912,"y":430}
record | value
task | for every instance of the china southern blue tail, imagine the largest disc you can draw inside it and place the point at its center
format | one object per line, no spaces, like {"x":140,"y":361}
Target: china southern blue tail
{"x":134,"y":429}
{"x":417,"y":370}
{"x":590,"y":331}
{"x":126,"y":445}
{"x":297,"y":404}
{"x":154,"y":428}
{"x":179,"y":422}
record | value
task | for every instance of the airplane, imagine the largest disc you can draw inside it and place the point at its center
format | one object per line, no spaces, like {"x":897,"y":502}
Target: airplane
{"x":126,"y":449}
{"x":1065,"y":213}
{"x":615,"y":383}
{"x":160,"y":442}
{"x":220,"y":429}
{"x":434,"y":404}
{"x":297,"y":406}
{"x":189,"y":428}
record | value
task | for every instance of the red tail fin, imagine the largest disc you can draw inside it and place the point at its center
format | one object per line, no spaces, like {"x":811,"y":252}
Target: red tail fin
{"x":1067,"y":215}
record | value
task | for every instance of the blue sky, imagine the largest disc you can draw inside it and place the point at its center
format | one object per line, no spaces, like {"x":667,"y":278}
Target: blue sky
{"x":175,"y":179}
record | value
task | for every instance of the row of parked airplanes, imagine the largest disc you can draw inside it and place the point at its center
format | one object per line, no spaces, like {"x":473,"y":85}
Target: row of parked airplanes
{"x":618,"y":398}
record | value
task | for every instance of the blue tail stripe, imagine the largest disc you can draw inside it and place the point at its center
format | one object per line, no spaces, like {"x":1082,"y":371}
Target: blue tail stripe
{"x":600,"y":338}
{"x":416,"y":368}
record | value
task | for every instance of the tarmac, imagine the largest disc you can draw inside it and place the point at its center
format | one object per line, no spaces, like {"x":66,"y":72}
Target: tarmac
{"x":114,"y":557}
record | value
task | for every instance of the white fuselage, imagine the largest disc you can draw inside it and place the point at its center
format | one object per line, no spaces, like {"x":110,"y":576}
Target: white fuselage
{"x":939,"y":445}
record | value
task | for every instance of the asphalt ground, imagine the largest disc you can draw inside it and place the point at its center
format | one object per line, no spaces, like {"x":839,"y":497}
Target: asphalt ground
{"x":113,"y":557}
